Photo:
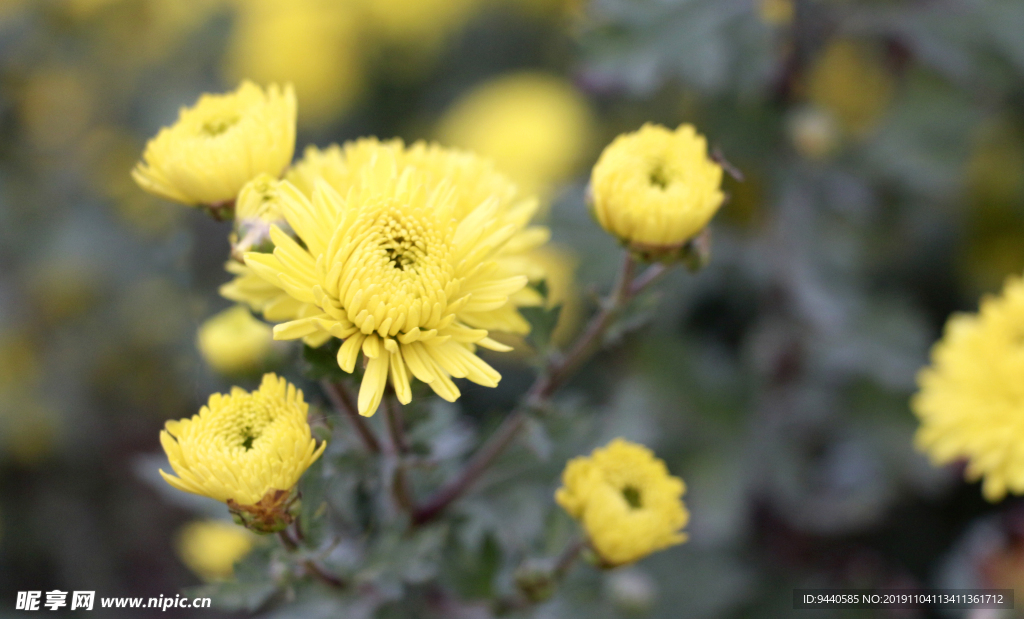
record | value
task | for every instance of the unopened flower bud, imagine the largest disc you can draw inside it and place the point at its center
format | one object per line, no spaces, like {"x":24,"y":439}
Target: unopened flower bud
{"x":656,"y":189}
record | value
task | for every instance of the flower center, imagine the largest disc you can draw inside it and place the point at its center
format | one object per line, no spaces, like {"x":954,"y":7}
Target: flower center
{"x":243,"y":424}
{"x":659,"y":177}
{"x":632,"y":496}
{"x":217,"y":126}
{"x":400,"y":251}
{"x":401,"y":267}
{"x":247,"y":438}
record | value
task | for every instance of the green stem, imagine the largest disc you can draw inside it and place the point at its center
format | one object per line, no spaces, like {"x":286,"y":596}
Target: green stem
{"x":311,"y":567}
{"x":342,"y":401}
{"x":554,"y":376}
{"x":398,"y":448}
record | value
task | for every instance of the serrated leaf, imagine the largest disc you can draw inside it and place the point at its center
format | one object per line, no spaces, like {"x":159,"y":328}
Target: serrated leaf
{"x":542,"y":324}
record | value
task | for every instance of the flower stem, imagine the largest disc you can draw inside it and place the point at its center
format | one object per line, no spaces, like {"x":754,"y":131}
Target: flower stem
{"x":340,"y":398}
{"x":398,"y":446}
{"x":568,"y":558}
{"x":557,"y":372}
{"x":396,"y":428}
{"x":287,"y":540}
{"x":310,"y":565}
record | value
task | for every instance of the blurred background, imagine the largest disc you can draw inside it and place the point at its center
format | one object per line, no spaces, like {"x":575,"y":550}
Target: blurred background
{"x":881,"y":147}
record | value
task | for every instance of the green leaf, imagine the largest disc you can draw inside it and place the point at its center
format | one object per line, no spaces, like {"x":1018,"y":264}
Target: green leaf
{"x":473,"y":573}
{"x":313,"y":487}
{"x":542,"y":324}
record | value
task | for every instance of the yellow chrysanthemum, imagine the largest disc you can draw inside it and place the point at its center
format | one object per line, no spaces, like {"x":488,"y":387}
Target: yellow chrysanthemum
{"x":404,"y":257}
{"x":210,"y":548}
{"x":419,"y":26}
{"x":343,"y":169}
{"x":244,"y":446}
{"x":851,"y":81}
{"x":235,"y":342}
{"x":535,"y":127}
{"x":655,"y":189}
{"x":971,"y":399}
{"x":626,"y":500}
{"x":219,"y":144}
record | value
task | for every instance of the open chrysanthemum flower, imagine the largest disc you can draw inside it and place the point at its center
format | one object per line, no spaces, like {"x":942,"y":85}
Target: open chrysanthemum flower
{"x":405,"y":267}
{"x":626,"y":500}
{"x":472,"y":180}
{"x":655,"y":189}
{"x":245,"y":449}
{"x":971,"y":399}
{"x":219,"y":144}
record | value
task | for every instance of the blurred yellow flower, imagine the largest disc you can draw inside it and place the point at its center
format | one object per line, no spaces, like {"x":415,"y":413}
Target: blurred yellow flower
{"x":814,"y":132}
{"x":234,"y":341}
{"x":219,"y":144}
{"x":626,"y":500}
{"x":245,"y":449}
{"x":971,"y":399}
{"x":406,"y":264}
{"x":56,"y":107}
{"x":210,"y":548}
{"x":655,"y":188}
{"x":535,"y":127}
{"x":313,"y":44}
{"x":416,"y":27}
{"x":776,"y":12}
{"x":850,"y":80}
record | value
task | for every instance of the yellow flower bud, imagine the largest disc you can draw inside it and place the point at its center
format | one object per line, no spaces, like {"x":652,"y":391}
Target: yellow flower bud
{"x":234,"y":341}
{"x":245,"y":449}
{"x":655,"y":189}
{"x":210,"y":548}
{"x":626,"y":500}
{"x":219,"y":144}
